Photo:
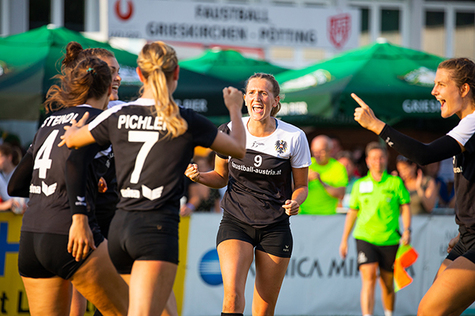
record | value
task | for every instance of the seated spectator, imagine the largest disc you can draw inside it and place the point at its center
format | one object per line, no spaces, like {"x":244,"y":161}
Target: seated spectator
{"x":345,"y":157}
{"x":446,"y":196}
{"x":10,"y":157}
{"x":422,"y":188}
{"x":327,"y":180}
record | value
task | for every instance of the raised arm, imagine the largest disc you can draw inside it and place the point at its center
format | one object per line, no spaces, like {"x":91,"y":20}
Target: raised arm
{"x":440,"y":149}
{"x":233,"y":144}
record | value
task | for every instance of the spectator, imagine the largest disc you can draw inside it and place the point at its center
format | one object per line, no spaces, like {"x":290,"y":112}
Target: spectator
{"x":376,"y":202}
{"x":422,"y":188}
{"x":327,"y":180}
{"x":10,"y":156}
{"x":445,"y":196}
{"x":345,"y":157}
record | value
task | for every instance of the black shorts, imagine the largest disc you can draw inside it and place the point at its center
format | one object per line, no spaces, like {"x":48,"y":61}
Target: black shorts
{"x":464,"y":247}
{"x":44,"y":255}
{"x":370,"y":253}
{"x":151,"y":235}
{"x":275,"y":239}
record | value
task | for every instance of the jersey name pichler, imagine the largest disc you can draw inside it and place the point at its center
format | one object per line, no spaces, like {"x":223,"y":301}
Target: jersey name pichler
{"x":261,"y":182}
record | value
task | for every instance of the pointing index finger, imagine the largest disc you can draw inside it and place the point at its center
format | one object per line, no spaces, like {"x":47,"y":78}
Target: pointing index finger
{"x":359,"y":101}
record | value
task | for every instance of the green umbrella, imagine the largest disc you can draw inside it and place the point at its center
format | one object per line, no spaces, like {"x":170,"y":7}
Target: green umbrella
{"x":29,"y":60}
{"x":228,"y":65}
{"x":395,"y":81}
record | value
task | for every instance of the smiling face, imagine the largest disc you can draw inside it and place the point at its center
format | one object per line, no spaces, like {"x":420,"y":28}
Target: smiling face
{"x":447,"y":93}
{"x":259,"y":99}
{"x":116,"y":79}
{"x":377,"y":161}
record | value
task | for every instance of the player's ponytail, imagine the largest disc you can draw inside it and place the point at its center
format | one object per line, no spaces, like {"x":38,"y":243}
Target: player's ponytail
{"x":157,"y":62}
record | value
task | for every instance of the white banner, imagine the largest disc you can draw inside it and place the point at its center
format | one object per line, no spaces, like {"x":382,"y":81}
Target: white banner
{"x":318,"y":282}
{"x":235,"y":24}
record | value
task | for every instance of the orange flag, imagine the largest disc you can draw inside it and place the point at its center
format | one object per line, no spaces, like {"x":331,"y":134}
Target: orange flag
{"x":405,"y":257}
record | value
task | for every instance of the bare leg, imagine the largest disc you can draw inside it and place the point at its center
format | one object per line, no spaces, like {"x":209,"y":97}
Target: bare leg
{"x":78,"y":304}
{"x":270,"y":272}
{"x":368,"y":283}
{"x":151,"y":283}
{"x":99,"y":282}
{"x":452,"y":291}
{"x":171,"y":308}
{"x":235,"y":258}
{"x":387,"y":289}
{"x":50,"y":296}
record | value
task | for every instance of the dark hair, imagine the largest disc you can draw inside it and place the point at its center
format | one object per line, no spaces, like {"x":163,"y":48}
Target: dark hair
{"x":7,"y":149}
{"x":376,"y":145}
{"x":275,"y":88}
{"x":75,"y":53}
{"x":463,"y":71}
{"x":90,"y":78}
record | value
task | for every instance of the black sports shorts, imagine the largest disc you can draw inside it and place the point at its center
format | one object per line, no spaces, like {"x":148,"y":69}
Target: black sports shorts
{"x":464,"y":247}
{"x":275,"y":239}
{"x":44,"y":255}
{"x":370,"y":253}
{"x":147,"y":235}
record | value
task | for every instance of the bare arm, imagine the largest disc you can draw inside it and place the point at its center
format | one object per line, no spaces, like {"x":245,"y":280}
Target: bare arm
{"x":77,"y":135}
{"x":336,"y":192}
{"x":349,"y":223}
{"x":216,"y":178}
{"x":300,"y":192}
{"x":234,"y":144}
{"x":406,"y":221}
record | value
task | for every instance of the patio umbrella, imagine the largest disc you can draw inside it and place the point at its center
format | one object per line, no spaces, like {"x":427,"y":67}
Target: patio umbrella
{"x":395,"y":81}
{"x":29,"y":60}
{"x":229,"y":65}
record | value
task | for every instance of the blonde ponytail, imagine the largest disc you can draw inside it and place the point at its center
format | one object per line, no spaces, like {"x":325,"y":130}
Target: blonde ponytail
{"x":158,"y":61}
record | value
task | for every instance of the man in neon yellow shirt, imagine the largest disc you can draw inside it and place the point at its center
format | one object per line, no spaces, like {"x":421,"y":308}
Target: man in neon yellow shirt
{"x":327,"y":180}
{"x":376,"y":202}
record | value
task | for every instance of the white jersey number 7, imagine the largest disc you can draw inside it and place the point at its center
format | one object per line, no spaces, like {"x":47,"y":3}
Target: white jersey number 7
{"x":149,"y":139}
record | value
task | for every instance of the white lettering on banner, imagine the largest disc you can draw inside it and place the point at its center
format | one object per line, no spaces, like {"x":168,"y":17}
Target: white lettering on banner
{"x":327,"y":284}
{"x":198,"y":105}
{"x":421,"y":106}
{"x":267,"y":172}
{"x":238,"y":24}
{"x":293,"y":108}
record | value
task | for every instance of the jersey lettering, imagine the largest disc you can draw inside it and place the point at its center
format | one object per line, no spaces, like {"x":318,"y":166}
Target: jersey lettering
{"x":42,"y":159}
{"x":149,"y":139}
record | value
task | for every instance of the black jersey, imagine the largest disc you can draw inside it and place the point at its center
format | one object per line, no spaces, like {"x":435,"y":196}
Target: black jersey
{"x":261,"y":182}
{"x":464,"y":172}
{"x":58,"y":175}
{"x":150,"y":166}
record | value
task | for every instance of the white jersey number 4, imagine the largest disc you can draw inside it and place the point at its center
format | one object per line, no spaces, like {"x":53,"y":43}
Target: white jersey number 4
{"x":149,"y":139}
{"x":42,"y":159}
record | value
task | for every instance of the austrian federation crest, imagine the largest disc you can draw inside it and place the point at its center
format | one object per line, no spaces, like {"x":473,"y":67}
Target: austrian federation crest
{"x":281,"y":146}
{"x":340,"y":27}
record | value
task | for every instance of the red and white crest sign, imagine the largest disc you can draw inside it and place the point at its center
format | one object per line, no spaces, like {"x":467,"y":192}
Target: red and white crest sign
{"x":339,"y":30}
{"x":124,"y":15}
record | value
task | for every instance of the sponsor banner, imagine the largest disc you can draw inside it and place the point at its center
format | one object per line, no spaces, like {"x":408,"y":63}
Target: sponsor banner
{"x":235,"y":24}
{"x":318,"y":281}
